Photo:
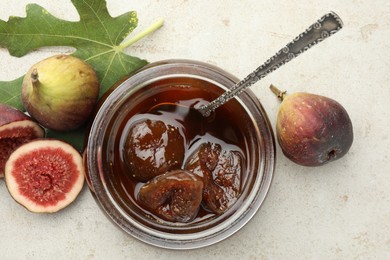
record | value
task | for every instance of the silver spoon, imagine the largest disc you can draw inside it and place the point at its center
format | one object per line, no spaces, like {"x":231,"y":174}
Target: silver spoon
{"x":319,"y":31}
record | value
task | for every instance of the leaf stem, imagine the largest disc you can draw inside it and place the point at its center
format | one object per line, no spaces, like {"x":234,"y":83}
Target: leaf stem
{"x":154,"y":27}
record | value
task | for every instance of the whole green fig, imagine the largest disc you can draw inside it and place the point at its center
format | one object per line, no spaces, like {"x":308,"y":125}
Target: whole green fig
{"x":60,"y":92}
{"x":311,"y":129}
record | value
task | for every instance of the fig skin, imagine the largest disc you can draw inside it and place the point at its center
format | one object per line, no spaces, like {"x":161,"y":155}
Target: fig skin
{"x":60,"y":92}
{"x":44,"y":175}
{"x":313,"y":130}
{"x":16,"y":128}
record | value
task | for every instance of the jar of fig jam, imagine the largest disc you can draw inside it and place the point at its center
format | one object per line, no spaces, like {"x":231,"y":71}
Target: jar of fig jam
{"x":168,"y":92}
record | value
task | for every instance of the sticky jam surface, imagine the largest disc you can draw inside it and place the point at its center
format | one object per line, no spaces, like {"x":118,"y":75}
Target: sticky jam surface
{"x":173,"y":103}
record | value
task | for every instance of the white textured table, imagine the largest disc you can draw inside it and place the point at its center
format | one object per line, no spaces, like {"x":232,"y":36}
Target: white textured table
{"x":338,"y":211}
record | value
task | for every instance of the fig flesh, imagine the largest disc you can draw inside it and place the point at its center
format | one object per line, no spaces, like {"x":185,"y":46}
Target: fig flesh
{"x":313,"y":130}
{"x":220,"y":170}
{"x":44,"y":175}
{"x":174,"y":196}
{"x":60,"y":92}
{"x":152,"y":148}
{"x":16,"y":128}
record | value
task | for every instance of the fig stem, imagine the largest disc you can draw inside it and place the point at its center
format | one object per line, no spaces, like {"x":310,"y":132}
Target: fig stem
{"x":279,"y":94}
{"x":34,"y":77}
{"x":154,"y":27}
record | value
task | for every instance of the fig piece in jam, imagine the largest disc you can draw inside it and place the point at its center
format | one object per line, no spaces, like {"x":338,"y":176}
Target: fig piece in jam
{"x":153,"y":148}
{"x":174,"y":196}
{"x":221,"y":173}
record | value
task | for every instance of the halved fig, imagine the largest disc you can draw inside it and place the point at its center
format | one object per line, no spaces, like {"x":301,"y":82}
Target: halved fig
{"x":220,"y":170}
{"x":174,"y":196}
{"x":16,"y":128}
{"x":44,"y":175}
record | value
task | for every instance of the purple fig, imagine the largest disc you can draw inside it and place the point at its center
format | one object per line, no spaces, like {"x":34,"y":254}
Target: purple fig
{"x":16,"y":128}
{"x":311,"y":129}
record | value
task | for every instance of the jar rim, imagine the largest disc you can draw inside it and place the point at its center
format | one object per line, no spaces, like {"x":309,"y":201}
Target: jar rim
{"x":98,"y":186}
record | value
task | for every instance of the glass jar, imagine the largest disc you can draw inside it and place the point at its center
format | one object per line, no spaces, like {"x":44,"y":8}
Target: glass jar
{"x":107,"y":183}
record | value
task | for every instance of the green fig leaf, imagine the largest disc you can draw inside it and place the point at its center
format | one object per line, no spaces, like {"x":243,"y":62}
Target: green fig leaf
{"x":10,"y":93}
{"x":76,"y":137}
{"x":97,"y":37}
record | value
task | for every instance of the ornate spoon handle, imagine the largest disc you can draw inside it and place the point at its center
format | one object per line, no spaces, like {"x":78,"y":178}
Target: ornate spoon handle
{"x":319,"y":31}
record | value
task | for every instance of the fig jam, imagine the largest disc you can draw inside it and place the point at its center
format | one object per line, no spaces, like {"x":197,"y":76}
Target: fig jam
{"x":174,"y":101}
